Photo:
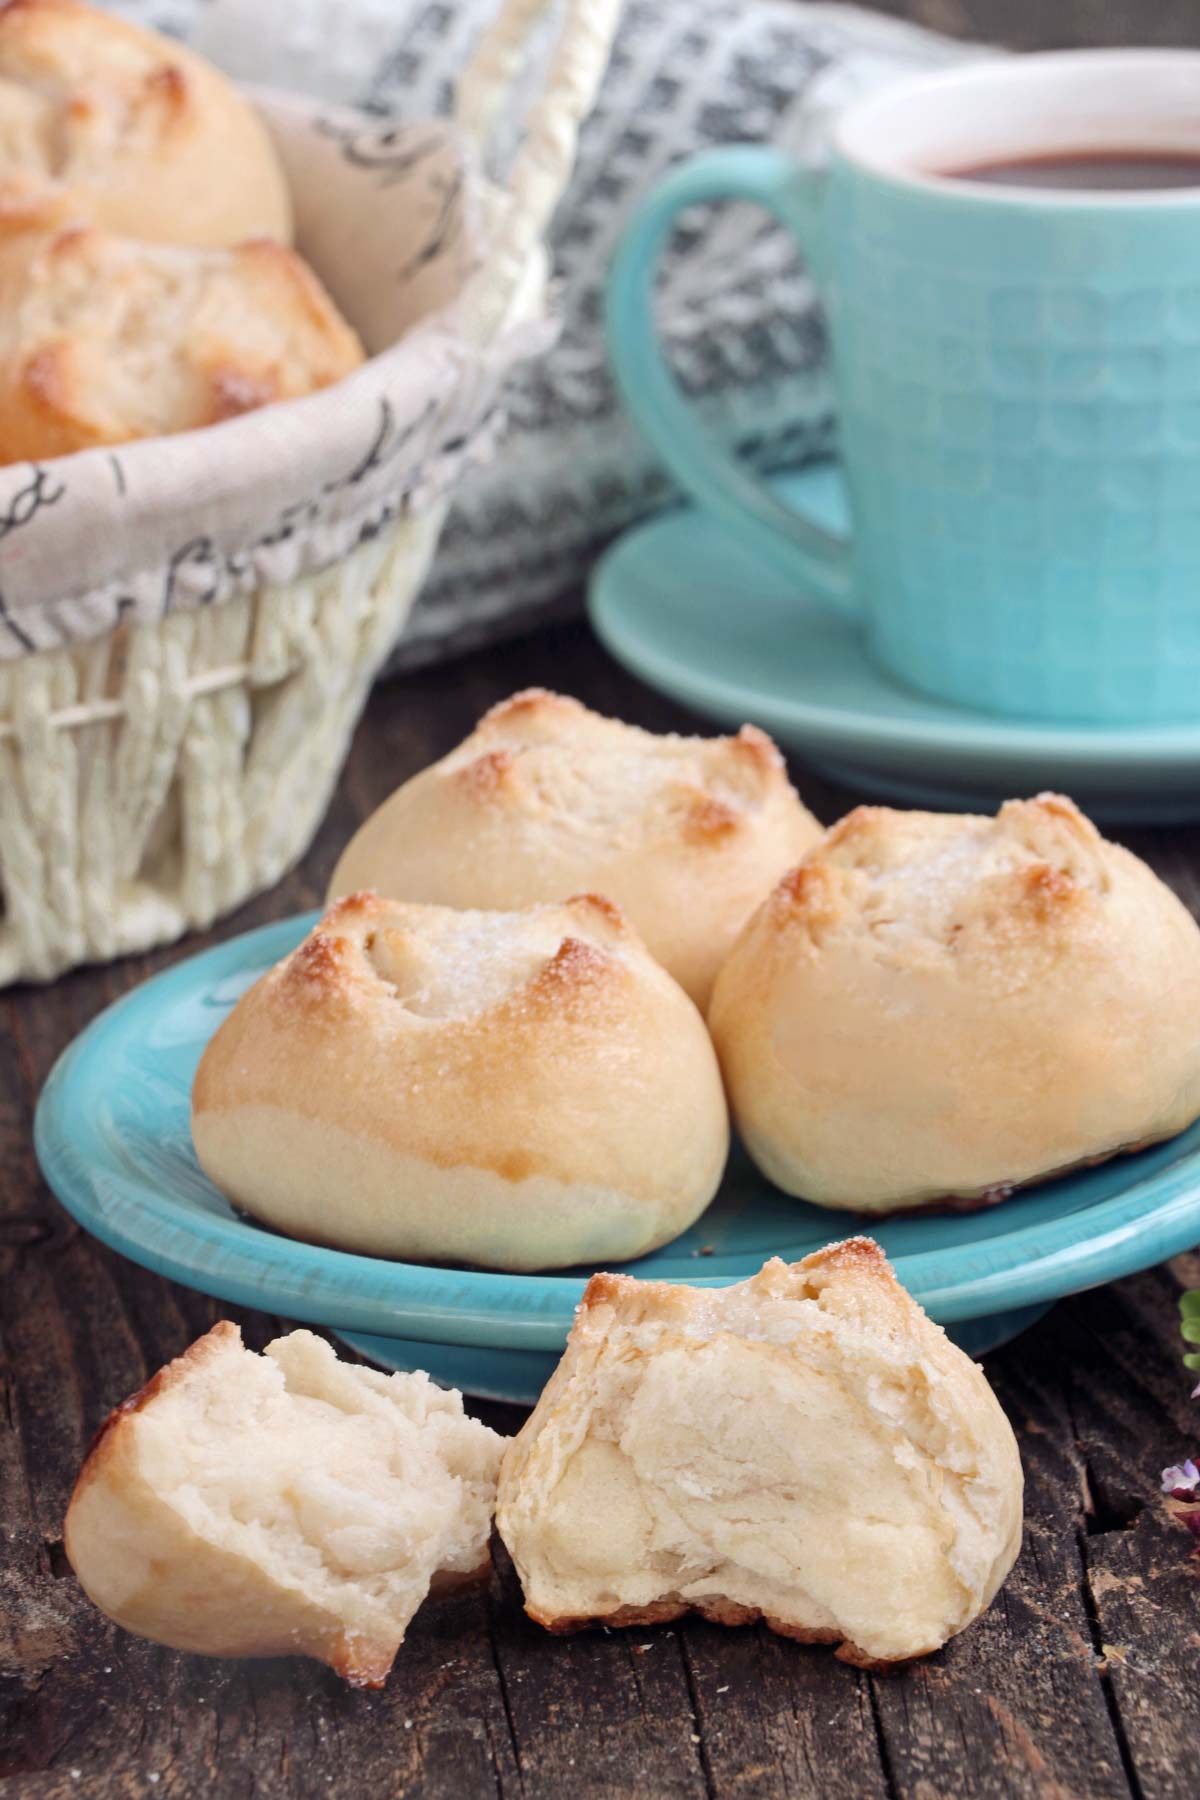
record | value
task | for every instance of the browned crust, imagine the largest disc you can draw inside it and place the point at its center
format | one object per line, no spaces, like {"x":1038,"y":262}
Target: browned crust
{"x":797,"y":890}
{"x":362,"y":1663}
{"x":709,"y":822}
{"x":1060,"y":806}
{"x":858,"y":1255}
{"x":958,"y":1203}
{"x":860,"y":821}
{"x":334,"y":349}
{"x":720,"y":1611}
{"x":359,"y":905}
{"x":604,"y":908}
{"x":805,"y":892}
{"x":575,"y":968}
{"x":487,"y":775}
{"x":513,"y":1165}
{"x":531,"y":700}
{"x":330,"y":960}
{"x":304,"y":286}
{"x":68,"y":242}
{"x":359,"y":1663}
{"x":1048,"y":890}
{"x":233,"y":391}
{"x":168,"y":86}
{"x":29,"y":203}
{"x":750,"y":744}
{"x":322,"y":962}
{"x":756,"y":747}
{"x":804,"y":898}
{"x":1004,"y":1190}
{"x":604,"y":1289}
{"x":44,"y":376}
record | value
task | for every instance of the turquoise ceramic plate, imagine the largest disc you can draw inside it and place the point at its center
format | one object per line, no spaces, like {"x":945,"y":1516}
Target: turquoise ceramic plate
{"x":699,"y":616}
{"x":113,"y":1140}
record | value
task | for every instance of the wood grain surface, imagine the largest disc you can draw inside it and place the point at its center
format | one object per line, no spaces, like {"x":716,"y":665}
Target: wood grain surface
{"x":1081,"y":1683}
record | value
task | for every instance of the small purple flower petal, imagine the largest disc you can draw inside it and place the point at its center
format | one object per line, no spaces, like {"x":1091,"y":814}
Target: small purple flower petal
{"x":1196,"y":1391}
{"x":1182,"y":1480}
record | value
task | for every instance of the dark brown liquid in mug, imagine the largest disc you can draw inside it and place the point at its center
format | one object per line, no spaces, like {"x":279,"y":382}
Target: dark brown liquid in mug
{"x":1115,"y":171}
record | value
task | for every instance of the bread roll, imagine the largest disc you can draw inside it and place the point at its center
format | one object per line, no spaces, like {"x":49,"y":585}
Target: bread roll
{"x":102,"y":121}
{"x":804,"y":1447}
{"x":546,"y":799}
{"x":937,"y":1008}
{"x":281,"y":1504}
{"x":522,"y":1090}
{"x":103,"y":339}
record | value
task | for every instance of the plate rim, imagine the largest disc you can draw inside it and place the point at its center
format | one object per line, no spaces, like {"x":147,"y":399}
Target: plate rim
{"x":237,"y":1262}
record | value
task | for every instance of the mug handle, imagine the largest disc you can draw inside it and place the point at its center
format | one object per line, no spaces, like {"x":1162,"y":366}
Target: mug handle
{"x":803,"y":549}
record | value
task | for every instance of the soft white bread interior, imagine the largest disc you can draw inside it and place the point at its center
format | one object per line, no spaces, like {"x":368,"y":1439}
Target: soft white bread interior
{"x":547,"y":799}
{"x":103,"y":121}
{"x":288,"y":1503}
{"x":806,"y":1447}
{"x":938,"y":1008}
{"x":523,"y":1089}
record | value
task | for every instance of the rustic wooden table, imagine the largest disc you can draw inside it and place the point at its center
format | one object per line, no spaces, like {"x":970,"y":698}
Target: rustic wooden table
{"x":1081,"y":1683}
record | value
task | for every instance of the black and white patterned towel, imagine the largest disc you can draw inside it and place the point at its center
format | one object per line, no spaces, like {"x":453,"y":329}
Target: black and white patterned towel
{"x":737,"y":310}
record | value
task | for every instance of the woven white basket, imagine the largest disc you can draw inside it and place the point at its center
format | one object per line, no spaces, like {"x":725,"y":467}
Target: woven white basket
{"x":155,"y":774}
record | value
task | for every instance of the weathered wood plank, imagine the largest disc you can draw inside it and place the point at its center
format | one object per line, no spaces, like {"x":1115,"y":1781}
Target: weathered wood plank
{"x":606,"y":1712}
{"x":781,"y":1718}
{"x":1143,"y":1582}
{"x":1015,"y":1707}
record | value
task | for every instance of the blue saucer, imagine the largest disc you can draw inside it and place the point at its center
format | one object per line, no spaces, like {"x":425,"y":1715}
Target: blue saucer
{"x":113,"y":1139}
{"x":699,"y":616}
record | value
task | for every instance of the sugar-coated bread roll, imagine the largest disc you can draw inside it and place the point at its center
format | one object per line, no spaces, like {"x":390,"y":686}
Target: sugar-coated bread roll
{"x":283,"y":1504}
{"x":938,"y":1008}
{"x":103,"y":121}
{"x":103,"y":339}
{"x":547,"y":799}
{"x":523,"y":1090}
{"x":805,"y":1447}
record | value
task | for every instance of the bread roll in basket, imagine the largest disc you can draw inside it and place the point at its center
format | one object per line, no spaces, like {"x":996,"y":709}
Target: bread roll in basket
{"x":189,"y":625}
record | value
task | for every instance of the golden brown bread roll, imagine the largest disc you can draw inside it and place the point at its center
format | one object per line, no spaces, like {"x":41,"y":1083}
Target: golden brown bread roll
{"x":939,"y":1007}
{"x":546,"y":799}
{"x":523,"y":1090}
{"x":283,"y":1504}
{"x":804,"y":1447}
{"x":104,"y":339}
{"x":103,"y":121}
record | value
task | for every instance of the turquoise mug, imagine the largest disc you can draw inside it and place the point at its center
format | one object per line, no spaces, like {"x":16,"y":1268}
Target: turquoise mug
{"x":1017,"y":380}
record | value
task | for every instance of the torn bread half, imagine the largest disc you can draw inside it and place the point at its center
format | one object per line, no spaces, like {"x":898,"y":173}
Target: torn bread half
{"x":804,"y":1447}
{"x":288,"y":1503}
